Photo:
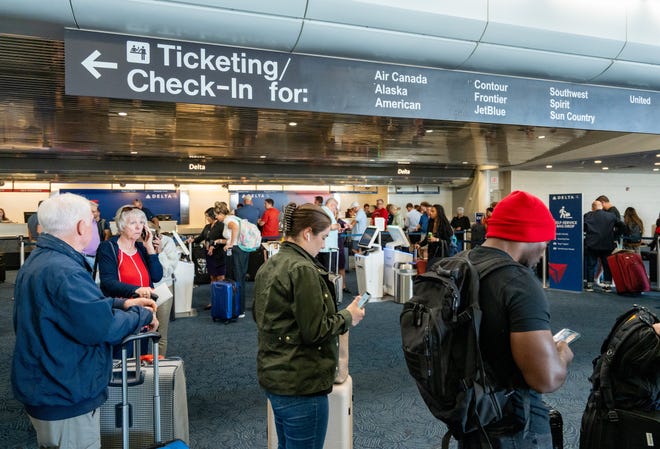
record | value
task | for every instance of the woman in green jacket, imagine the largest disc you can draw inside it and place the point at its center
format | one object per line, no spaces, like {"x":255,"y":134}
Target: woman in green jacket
{"x":299,"y":325}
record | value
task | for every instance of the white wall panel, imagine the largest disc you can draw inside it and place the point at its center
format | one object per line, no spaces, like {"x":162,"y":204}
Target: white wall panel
{"x":35,"y":17}
{"x":643,"y":33}
{"x":631,"y":74}
{"x":288,"y":8}
{"x":381,"y":45}
{"x":540,"y":64}
{"x":57,"y":11}
{"x":623,"y":190}
{"x":464,"y":20}
{"x":567,"y":26}
{"x":188,"y":22}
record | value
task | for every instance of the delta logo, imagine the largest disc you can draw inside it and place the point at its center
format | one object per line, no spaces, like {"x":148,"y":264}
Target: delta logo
{"x":556,"y":271}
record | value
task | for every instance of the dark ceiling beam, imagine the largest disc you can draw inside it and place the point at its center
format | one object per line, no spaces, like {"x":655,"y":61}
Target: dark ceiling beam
{"x":201,"y":170}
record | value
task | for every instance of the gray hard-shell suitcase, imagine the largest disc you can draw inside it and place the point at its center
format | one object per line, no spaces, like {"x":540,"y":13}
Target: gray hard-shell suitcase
{"x":153,"y":415}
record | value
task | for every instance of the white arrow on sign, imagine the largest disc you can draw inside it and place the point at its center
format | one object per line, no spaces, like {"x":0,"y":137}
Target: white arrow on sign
{"x":91,"y":64}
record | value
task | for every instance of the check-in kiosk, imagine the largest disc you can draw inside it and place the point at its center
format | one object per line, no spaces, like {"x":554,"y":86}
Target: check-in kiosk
{"x":369,"y":264}
{"x":393,"y":256}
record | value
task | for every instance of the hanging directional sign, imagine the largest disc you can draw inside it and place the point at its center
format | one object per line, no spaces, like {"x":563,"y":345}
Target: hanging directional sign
{"x":120,"y":66}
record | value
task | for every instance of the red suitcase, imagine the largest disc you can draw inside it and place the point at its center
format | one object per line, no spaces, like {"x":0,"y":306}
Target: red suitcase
{"x":628,"y":272}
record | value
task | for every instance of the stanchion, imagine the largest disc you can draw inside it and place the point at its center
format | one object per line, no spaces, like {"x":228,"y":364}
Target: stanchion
{"x":22,"y":250}
{"x":657,"y":262}
{"x":544,"y":262}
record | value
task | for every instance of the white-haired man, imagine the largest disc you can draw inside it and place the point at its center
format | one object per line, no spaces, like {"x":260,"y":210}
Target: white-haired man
{"x":65,"y":329}
{"x":460,"y":223}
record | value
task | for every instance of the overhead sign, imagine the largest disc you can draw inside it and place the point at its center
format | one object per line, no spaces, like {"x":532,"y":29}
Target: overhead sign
{"x":121,"y":66}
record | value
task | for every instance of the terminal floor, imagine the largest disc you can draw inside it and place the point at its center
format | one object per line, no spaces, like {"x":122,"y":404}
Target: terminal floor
{"x":228,"y":410}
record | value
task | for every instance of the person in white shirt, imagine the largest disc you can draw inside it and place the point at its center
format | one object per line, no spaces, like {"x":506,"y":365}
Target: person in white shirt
{"x":359,"y":225}
{"x":330,"y":250}
{"x":412,"y":218}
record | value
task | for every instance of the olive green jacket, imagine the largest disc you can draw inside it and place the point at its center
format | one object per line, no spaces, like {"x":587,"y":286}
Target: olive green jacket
{"x":298,"y":324}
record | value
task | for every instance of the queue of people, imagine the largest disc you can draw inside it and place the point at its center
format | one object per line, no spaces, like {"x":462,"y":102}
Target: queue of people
{"x":66,"y":324}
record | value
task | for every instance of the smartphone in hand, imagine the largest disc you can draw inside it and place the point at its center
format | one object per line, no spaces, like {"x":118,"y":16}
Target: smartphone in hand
{"x":364,"y":299}
{"x":567,"y":335}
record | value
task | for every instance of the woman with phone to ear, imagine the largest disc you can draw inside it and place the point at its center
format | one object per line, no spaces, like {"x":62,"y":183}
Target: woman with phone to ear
{"x":298,"y":328}
{"x":128,"y":262}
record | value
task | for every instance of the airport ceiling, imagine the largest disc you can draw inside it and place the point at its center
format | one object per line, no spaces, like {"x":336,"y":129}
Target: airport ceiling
{"x":48,"y":135}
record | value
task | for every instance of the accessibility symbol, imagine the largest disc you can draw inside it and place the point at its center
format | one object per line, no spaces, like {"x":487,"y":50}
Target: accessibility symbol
{"x":138,"y":52}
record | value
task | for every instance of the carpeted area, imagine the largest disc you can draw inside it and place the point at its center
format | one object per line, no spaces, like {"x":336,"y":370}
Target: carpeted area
{"x":227,"y":408}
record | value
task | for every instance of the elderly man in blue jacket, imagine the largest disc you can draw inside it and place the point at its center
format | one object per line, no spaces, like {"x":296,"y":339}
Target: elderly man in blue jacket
{"x":65,"y":328}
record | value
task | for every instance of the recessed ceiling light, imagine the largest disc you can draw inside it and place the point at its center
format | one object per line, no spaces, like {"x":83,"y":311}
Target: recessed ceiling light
{"x":656,"y":163}
{"x":548,"y":166}
{"x":122,"y":114}
{"x":429,"y":131}
{"x":657,"y":155}
{"x":465,"y":162}
{"x":134,"y":152}
{"x":656,"y":169}
{"x":263,"y":156}
{"x":293,"y":124}
{"x":597,"y":161}
{"x":606,"y":168}
{"x":541,"y":137}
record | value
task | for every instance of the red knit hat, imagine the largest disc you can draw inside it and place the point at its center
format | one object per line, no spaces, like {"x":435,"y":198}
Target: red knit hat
{"x":521,"y":217}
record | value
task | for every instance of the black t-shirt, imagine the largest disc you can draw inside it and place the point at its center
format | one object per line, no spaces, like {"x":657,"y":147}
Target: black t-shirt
{"x":512,"y":300}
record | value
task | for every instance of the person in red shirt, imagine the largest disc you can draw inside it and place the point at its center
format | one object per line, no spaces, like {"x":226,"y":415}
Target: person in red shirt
{"x":270,"y":220}
{"x":380,"y":211}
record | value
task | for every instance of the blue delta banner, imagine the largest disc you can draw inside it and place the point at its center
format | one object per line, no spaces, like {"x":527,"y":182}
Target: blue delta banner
{"x":565,"y":252}
{"x":159,"y":202}
{"x":280,"y":198}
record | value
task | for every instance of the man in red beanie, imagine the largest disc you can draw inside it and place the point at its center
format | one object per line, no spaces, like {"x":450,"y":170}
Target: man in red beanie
{"x":516,"y":341}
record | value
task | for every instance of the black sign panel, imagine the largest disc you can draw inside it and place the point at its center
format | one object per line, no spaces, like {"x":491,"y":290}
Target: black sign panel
{"x":120,"y":66}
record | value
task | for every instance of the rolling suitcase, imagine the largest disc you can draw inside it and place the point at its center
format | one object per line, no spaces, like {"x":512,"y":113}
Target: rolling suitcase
{"x":340,"y":420}
{"x":255,"y":261}
{"x":199,"y":260}
{"x":628,"y":272}
{"x":146,"y":404}
{"x":556,"y":428}
{"x":225,"y":301}
{"x":335,"y":277}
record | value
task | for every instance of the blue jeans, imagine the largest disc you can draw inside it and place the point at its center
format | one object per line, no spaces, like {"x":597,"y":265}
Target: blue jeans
{"x":301,"y":421}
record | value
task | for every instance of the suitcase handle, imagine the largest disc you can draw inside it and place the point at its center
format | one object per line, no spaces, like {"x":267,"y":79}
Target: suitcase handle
{"x":124,"y":409}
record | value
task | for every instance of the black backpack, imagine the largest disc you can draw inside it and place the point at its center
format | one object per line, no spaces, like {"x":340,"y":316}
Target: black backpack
{"x":620,"y":411}
{"x":440,"y":335}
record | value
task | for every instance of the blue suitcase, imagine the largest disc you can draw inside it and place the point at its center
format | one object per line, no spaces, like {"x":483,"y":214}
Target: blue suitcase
{"x":225,"y":302}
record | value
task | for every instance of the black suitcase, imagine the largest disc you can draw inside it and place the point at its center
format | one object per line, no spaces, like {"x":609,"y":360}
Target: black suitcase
{"x":556,"y":428}
{"x":255,"y":261}
{"x":199,"y":259}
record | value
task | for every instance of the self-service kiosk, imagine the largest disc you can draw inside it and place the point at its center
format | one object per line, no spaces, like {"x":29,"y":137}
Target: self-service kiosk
{"x":393,"y":257}
{"x":369,"y":264}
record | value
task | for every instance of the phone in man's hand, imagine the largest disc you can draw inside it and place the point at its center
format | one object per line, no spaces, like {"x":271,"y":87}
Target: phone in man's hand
{"x":364,"y":299}
{"x":567,"y":335}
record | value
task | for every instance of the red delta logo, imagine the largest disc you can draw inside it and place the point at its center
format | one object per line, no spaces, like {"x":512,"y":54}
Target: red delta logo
{"x":556,"y":271}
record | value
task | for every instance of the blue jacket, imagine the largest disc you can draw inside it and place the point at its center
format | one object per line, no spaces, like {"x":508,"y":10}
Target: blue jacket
{"x":65,"y":328}
{"x":108,"y":264}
